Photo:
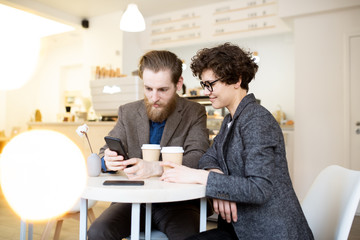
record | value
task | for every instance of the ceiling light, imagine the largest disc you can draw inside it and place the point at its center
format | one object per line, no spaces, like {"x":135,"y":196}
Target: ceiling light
{"x":132,"y":20}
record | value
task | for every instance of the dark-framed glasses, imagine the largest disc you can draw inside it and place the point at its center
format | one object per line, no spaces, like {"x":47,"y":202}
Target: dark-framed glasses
{"x":208,"y":85}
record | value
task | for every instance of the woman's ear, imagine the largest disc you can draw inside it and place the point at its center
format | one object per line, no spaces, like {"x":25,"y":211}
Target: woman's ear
{"x":238,"y":84}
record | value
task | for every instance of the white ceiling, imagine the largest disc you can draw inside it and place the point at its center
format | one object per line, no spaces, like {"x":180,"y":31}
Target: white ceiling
{"x":73,"y":10}
{"x":90,"y":8}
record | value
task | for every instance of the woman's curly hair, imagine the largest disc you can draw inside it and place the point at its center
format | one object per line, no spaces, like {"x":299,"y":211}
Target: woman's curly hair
{"x":228,"y":62}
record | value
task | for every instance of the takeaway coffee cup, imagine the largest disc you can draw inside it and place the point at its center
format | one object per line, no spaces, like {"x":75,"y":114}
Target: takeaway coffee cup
{"x":151,"y":152}
{"x":172,"y":154}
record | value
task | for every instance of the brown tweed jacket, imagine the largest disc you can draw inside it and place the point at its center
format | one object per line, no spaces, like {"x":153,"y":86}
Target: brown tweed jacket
{"x":185,"y":127}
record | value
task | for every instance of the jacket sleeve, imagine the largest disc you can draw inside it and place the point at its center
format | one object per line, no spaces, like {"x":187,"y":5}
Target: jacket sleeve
{"x":209,"y":159}
{"x":254,"y":146}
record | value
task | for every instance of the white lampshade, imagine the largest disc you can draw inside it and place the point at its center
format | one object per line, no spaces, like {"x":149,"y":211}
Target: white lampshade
{"x":132,"y":20}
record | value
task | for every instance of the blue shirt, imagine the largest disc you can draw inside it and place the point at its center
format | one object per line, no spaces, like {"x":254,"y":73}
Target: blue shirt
{"x":156,"y":132}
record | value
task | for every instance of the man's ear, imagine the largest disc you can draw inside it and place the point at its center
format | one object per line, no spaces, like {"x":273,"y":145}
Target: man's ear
{"x":180,"y":84}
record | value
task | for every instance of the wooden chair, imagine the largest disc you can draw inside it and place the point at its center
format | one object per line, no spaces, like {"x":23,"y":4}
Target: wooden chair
{"x":73,"y":213}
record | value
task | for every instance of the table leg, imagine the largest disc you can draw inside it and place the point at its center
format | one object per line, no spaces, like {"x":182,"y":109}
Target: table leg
{"x":22,"y":230}
{"x":135,"y":221}
{"x":83,"y":219}
{"x":30,"y":231}
{"x":23,"y":226}
{"x":148,"y":222}
{"x":203,"y":214}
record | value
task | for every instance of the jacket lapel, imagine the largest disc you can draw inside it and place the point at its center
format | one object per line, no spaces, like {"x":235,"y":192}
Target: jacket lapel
{"x":143,"y":126}
{"x":172,"y":123}
{"x":244,"y":102}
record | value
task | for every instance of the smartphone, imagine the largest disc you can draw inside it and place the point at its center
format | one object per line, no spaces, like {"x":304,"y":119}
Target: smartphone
{"x":116,"y":145}
{"x":124,"y":182}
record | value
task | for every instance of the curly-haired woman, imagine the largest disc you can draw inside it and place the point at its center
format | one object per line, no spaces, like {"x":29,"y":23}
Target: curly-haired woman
{"x":245,"y":170}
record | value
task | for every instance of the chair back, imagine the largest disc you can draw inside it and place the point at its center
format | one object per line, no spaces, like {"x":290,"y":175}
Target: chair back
{"x":331,"y":202}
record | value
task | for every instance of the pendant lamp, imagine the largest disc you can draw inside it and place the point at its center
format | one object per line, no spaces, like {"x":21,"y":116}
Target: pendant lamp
{"x":132,"y":20}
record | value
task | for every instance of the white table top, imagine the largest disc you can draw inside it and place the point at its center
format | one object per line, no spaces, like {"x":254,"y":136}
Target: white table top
{"x":153,"y":191}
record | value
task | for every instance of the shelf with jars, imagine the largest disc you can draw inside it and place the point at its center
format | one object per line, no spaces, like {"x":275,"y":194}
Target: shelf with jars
{"x":214,"y":116}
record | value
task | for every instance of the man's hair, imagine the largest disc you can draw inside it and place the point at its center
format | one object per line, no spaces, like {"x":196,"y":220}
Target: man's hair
{"x":161,"y":61}
{"x":228,"y":62}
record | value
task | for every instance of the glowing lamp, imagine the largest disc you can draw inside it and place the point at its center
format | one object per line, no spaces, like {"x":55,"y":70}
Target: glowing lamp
{"x":132,"y":20}
{"x":42,"y":173}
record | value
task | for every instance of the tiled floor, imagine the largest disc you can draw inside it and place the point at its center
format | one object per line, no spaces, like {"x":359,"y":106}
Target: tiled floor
{"x":10,"y":224}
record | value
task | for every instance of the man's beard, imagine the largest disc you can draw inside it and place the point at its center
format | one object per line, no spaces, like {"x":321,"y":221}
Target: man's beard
{"x":159,"y":115}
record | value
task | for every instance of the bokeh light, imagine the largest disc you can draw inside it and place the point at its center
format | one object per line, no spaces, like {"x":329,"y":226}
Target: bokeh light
{"x":19,"y":56}
{"x":43,"y":174}
{"x":21,"y":34}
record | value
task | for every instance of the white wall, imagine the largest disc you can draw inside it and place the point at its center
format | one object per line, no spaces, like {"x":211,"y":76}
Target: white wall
{"x":274,"y":82}
{"x":42,"y":91}
{"x":131,"y":52}
{"x":82,"y":50}
{"x":319,"y":92}
{"x":291,"y":8}
{"x":103,"y":41}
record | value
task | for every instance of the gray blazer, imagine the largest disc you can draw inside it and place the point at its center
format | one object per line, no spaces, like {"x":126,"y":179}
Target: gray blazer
{"x":251,"y":153}
{"x":185,"y":127}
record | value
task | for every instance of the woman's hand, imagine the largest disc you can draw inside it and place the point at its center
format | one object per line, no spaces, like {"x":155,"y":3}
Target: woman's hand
{"x":181,"y":174}
{"x":141,"y":169}
{"x":226,"y":209}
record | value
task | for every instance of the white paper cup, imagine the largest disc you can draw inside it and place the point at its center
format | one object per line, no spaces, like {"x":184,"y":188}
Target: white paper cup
{"x":172,"y":154}
{"x":151,"y":152}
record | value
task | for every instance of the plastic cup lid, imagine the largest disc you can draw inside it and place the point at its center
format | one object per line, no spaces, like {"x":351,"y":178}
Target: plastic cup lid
{"x":150,"y":146}
{"x":172,"y":150}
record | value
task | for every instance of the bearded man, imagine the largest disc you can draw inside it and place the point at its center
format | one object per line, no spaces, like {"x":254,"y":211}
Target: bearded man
{"x":164,"y":118}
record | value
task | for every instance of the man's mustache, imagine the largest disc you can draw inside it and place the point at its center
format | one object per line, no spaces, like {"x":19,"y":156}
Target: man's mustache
{"x":157,"y":103}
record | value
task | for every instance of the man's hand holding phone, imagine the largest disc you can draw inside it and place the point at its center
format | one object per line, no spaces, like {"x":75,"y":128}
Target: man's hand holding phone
{"x":115,"y":155}
{"x":116,"y":158}
{"x":113,"y":161}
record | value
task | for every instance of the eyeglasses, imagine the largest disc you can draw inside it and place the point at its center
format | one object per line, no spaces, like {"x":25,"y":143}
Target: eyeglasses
{"x":208,"y":85}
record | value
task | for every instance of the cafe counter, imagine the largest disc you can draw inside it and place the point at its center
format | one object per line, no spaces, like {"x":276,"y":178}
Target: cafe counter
{"x":97,"y":132}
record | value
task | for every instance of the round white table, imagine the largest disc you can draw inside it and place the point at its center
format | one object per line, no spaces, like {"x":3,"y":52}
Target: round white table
{"x":153,"y":191}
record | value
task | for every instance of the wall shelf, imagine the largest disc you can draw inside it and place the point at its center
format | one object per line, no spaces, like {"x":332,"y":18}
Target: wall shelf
{"x":214,"y":22}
